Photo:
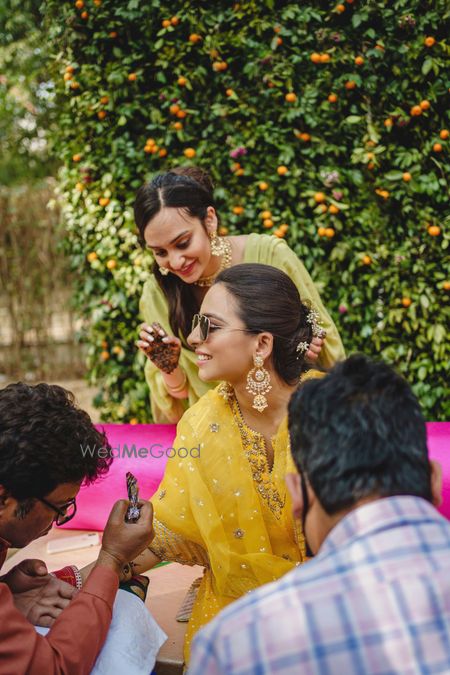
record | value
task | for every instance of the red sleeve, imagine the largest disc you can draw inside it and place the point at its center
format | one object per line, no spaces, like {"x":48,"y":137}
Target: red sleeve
{"x":75,"y":639}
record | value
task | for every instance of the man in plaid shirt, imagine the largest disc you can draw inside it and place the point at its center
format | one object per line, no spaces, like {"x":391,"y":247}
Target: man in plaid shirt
{"x":376,"y":598}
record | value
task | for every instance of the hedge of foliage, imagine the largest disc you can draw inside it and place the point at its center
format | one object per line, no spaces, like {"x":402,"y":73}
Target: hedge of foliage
{"x":326,"y":124}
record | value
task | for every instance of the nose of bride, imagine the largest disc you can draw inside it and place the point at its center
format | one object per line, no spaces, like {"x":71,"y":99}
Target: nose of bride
{"x":194,"y":337}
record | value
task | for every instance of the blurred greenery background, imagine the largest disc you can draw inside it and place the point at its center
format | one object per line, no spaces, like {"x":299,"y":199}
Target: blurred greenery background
{"x":323,"y":123}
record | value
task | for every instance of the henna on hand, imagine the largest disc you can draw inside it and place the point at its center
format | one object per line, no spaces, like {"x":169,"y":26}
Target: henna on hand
{"x":165,"y":355}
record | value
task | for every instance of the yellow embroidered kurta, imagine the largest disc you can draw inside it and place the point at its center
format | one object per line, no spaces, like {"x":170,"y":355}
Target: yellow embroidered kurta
{"x":225,"y":509}
{"x":260,"y":248}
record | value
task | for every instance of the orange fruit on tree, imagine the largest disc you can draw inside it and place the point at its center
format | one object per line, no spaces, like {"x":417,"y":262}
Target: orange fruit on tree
{"x":97,"y":2}
{"x":182,"y":81}
{"x":74,"y":85}
{"x":263,"y":186}
{"x":79,"y":187}
{"x":223,"y":231}
{"x":84,"y":15}
{"x":166,"y":23}
{"x":162,"y":152}
{"x":67,"y":77}
{"x":79,"y":4}
{"x":284,"y":227}
{"x":279,"y":233}
{"x":149,"y":149}
{"x":134,"y":420}
{"x":406,"y":176}
{"x":444,"y":134}
{"x":69,"y":69}
{"x":291,"y":97}
{"x":101,"y":114}
{"x":265,"y":214}
{"x":329,"y":232}
{"x":323,"y":208}
{"x":181,"y":114}
{"x":319,"y":197}
{"x":132,"y":77}
{"x":305,"y":137}
{"x":406,"y":302}
{"x":103,"y":201}
{"x":150,"y":141}
{"x":279,"y":41}
{"x":91,"y":257}
{"x":111,"y":264}
{"x":177,"y":126}
{"x":104,"y":344}
{"x":340,"y":8}
{"x":174,"y":108}
{"x":113,"y":34}
{"x":332,"y":98}
{"x":238,"y":210}
{"x":359,"y":60}
{"x":367,"y":260}
{"x":315,"y":57}
{"x":174,"y":21}
{"x":446,"y":285}
{"x":104,"y":100}
{"x":321,"y":231}
{"x":429,"y":41}
{"x":351,"y":84}
{"x":425,"y":105}
{"x":268,"y":222}
{"x":434,"y":230}
{"x":77,"y":157}
{"x":276,"y":29}
{"x":333,"y":209}
{"x":388,"y":123}
{"x":194,"y":38}
{"x":325,"y":58}
{"x":229,"y":92}
{"x":282,"y":170}
{"x":104,"y":355}
{"x":437,"y":147}
{"x":416,"y":110}
{"x":189,"y":153}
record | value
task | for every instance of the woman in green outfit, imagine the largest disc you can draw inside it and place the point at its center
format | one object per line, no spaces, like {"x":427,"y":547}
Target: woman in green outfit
{"x":177,"y":220}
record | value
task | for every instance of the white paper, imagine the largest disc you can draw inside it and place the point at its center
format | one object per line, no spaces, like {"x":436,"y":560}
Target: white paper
{"x":133,"y":640}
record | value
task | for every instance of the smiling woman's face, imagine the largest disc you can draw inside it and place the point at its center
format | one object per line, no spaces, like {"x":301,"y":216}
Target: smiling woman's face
{"x":180,"y":243}
{"x":227,"y":353}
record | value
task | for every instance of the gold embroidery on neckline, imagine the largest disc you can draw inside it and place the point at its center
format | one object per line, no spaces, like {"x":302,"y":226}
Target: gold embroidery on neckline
{"x":255,"y":450}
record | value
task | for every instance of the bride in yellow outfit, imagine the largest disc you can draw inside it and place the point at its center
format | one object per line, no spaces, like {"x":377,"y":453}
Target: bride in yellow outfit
{"x":225,"y":505}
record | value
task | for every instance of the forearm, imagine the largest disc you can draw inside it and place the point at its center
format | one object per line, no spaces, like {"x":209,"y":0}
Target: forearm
{"x":176,"y":383}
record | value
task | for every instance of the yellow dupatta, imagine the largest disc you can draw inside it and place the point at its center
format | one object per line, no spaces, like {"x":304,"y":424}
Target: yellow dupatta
{"x":224,"y":508}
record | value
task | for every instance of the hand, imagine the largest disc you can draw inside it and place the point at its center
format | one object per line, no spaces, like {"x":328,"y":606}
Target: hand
{"x":315,"y":348}
{"x":37,"y":595}
{"x":162,"y":349}
{"x":26,"y":575}
{"x":123,"y":541}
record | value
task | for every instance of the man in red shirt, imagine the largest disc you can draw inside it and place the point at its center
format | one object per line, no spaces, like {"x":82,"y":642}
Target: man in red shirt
{"x":41,"y":470}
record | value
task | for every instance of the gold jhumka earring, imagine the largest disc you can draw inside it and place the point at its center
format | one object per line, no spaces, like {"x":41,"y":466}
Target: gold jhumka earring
{"x":258,"y":383}
{"x":218,"y":244}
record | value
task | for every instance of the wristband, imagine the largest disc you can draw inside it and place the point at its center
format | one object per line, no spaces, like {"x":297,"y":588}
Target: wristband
{"x":71,"y":575}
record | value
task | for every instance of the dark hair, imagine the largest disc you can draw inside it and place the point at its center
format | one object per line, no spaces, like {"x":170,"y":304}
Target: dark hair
{"x":42,"y":437}
{"x":268,"y":300}
{"x":359,"y":432}
{"x":189,"y":189}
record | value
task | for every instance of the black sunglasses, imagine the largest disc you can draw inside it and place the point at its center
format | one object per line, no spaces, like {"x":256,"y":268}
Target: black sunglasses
{"x":204,"y":324}
{"x":65,"y":514}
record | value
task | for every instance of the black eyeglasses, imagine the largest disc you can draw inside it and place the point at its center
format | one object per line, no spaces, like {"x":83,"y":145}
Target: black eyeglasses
{"x":65,"y":513}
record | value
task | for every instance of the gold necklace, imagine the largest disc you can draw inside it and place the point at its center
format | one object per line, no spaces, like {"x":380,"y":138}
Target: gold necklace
{"x":225,"y":264}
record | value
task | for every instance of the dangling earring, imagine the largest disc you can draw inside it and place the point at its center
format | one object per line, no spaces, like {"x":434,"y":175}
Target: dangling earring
{"x":258,"y":383}
{"x":218,"y":246}
{"x":164,"y":271}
